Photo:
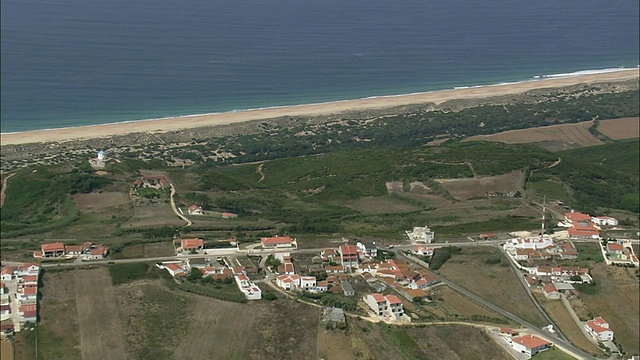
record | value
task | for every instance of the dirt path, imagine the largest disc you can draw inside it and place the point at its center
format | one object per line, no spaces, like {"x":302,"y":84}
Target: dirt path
{"x":4,"y":188}
{"x":174,"y":208}
{"x":555,"y":163}
{"x":259,"y":171}
{"x":99,"y":327}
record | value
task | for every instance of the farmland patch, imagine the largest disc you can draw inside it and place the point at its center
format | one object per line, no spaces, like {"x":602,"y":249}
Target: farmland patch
{"x":619,"y":129}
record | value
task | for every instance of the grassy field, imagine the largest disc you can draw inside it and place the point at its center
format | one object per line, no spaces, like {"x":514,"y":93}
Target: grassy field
{"x":616,"y":298}
{"x":554,"y":137}
{"x":553,"y":354}
{"x":58,"y":329}
{"x":100,"y":330}
{"x":493,"y":282}
{"x":561,"y":317}
{"x":383,"y":341}
{"x":460,"y":307}
{"x":618,"y":129}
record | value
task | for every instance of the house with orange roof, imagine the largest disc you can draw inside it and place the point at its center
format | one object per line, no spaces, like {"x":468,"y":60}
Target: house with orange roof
{"x":7,"y":273}
{"x":599,"y":329}
{"x":528,"y":344}
{"x":195,"y":210}
{"x":576,"y":218}
{"x":97,"y":252}
{"x":174,"y":269}
{"x":27,"y":294}
{"x":52,"y":250}
{"x":288,"y":282}
{"x":28,"y":269}
{"x":348,"y":256}
{"x":338,"y":269}
{"x":191,"y":244}
{"x":228,"y":215}
{"x":550,"y":292}
{"x":584,"y":232}
{"x":28,"y":313}
{"x":277,"y":242}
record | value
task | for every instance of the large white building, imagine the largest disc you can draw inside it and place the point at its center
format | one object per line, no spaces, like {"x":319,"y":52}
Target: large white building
{"x":528,"y":344}
{"x":421,"y":235}
{"x":533,"y":243}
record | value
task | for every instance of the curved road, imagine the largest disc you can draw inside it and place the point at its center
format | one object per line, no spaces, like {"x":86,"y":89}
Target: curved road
{"x":559,"y":342}
{"x":174,"y":208}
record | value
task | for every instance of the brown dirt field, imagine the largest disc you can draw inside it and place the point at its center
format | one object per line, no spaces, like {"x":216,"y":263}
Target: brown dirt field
{"x":223,"y":324}
{"x":97,"y":201}
{"x":495,"y":283}
{"x":289,"y":332}
{"x":480,"y":210}
{"x":158,"y":249}
{"x":463,"y":189}
{"x":153,"y":215}
{"x":619,"y":129}
{"x":559,"y":137}
{"x":569,"y":328}
{"x":617,"y":300}
{"x":101,"y":335}
{"x":380,"y":205}
{"x":462,"y":305}
{"x":6,"y":350}
{"x":335,"y":344}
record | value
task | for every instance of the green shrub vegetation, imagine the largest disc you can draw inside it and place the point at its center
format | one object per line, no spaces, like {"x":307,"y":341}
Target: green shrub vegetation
{"x":441,"y":255}
{"x":128,"y":272}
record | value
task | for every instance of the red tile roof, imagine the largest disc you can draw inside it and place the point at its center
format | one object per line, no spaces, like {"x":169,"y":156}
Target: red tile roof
{"x":530,"y":341}
{"x":28,"y":307}
{"x":277,"y":240}
{"x":614,"y":247}
{"x":173,"y":267}
{"x":549,"y":288}
{"x":30,"y":290}
{"x":348,"y":250}
{"x":582,"y":231}
{"x":598,"y":325}
{"x":7,"y":270}
{"x":392,"y":299}
{"x":188,"y":244}
{"x":379,"y":298}
{"x":194,"y":207}
{"x":577,"y":216}
{"x":56,"y":246}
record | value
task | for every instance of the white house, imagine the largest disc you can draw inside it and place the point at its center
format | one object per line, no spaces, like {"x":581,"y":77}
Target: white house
{"x":528,"y":344}
{"x":599,"y":329}
{"x":7,"y":273}
{"x":28,"y":269}
{"x":307,"y":282}
{"x":195,"y":210}
{"x":288,"y":282}
{"x":366,"y":249}
{"x":551,"y":292}
{"x":604,"y":221}
{"x":174,"y":269}
{"x":385,"y":305}
{"x":248,"y":288}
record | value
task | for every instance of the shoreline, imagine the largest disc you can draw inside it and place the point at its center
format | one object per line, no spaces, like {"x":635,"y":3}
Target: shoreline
{"x":159,"y":125}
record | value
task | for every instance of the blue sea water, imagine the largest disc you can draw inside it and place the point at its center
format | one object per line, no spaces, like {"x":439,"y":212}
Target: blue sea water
{"x":80,"y":62}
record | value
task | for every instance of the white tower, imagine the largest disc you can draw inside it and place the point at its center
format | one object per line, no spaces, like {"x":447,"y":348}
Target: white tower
{"x":101,"y":155}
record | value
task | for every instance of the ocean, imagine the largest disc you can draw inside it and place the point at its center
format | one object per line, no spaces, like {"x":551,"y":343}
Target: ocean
{"x":79,"y":62}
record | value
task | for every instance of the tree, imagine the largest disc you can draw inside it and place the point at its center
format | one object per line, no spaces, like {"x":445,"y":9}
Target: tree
{"x":195,"y":274}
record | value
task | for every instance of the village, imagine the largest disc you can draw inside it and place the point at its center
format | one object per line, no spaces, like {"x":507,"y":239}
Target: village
{"x":380,"y":280}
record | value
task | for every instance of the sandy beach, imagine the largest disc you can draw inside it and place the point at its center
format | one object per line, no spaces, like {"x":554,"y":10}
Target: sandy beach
{"x":187,"y":122}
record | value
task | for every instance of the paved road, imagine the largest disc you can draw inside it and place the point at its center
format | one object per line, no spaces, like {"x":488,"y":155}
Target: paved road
{"x":559,"y":342}
{"x":533,"y":298}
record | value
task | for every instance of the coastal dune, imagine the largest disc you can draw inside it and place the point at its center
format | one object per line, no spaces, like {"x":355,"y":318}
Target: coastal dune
{"x":336,"y":107}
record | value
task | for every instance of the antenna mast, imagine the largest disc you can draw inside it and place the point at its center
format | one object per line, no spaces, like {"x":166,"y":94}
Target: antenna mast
{"x":544,"y":209}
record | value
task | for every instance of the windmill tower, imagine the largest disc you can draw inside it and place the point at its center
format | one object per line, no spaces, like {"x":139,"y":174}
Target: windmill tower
{"x":544,"y":210}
